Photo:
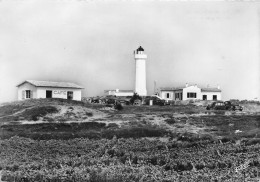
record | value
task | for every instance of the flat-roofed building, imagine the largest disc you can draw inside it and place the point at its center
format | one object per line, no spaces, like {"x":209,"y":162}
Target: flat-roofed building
{"x":118,"y":93}
{"x":190,"y":92}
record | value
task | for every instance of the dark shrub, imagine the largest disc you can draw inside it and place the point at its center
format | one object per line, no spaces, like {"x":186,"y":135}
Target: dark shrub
{"x":36,"y":112}
{"x":118,"y":106}
{"x":89,"y":114}
{"x":135,"y":97}
{"x":253,"y":141}
{"x":112,"y":125}
{"x":135,"y":160}
{"x":170,"y":121}
{"x":199,"y":166}
{"x":153,"y":160}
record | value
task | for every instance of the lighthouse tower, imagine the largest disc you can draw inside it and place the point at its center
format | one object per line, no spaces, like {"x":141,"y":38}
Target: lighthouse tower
{"x":140,"y":72}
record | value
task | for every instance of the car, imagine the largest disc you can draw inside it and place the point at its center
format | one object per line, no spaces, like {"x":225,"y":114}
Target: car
{"x":217,"y":105}
{"x":156,"y":100}
{"x":233,"y":106}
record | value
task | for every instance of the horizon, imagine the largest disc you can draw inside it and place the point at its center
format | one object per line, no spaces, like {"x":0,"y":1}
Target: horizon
{"x":92,"y":44}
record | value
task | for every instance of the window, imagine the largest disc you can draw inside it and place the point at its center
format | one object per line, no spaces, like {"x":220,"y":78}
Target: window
{"x":214,"y":97}
{"x":70,"y":95}
{"x":204,"y":97}
{"x":191,"y":95}
{"x":28,"y":94}
{"x":167,"y":95}
{"x":178,"y":96}
{"x":48,"y":93}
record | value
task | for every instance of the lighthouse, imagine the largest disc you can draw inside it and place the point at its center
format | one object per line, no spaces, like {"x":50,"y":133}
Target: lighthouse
{"x":140,"y":72}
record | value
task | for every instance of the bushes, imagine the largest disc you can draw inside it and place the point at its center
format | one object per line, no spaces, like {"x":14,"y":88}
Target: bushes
{"x":90,"y":114}
{"x":97,"y":130}
{"x":135,"y":132}
{"x":36,"y":112}
{"x":124,"y":160}
{"x":170,"y":121}
{"x":118,"y":106}
{"x":135,"y":97}
{"x":253,"y":141}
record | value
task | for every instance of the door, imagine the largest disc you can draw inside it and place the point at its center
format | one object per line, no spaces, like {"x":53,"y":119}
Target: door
{"x":204,"y":97}
{"x":48,"y":93}
{"x":214,"y":97}
{"x":70,"y":95}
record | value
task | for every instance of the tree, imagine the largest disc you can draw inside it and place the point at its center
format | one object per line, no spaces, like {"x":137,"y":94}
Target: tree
{"x":135,"y":97}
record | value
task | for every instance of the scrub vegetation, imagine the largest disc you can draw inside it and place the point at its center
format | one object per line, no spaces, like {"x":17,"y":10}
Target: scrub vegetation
{"x":62,"y":140}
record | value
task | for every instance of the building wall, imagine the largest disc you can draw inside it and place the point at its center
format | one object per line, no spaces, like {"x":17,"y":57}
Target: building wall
{"x":140,"y":74}
{"x":59,"y":92}
{"x":26,"y":86}
{"x":193,"y":89}
{"x":122,"y":94}
{"x":163,"y":94}
{"x":210,"y":95}
{"x":40,"y":92}
{"x":177,"y":91}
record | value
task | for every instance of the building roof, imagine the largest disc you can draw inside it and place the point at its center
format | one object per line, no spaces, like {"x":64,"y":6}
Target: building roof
{"x":210,"y":90}
{"x":180,"y":88}
{"x":119,"y":90}
{"x":140,"y":49}
{"x":171,"y":88}
{"x":51,"y":84}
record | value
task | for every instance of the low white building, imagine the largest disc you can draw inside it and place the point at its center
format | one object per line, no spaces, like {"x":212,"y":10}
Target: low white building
{"x":190,"y":92}
{"x":118,"y":93}
{"x":33,"y":89}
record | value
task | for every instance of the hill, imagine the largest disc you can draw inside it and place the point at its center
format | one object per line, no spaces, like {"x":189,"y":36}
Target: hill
{"x":61,"y":140}
{"x":65,"y":119}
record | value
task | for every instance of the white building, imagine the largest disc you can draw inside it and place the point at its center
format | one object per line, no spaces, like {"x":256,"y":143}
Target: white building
{"x":118,"y":93}
{"x":190,"y":92}
{"x":140,"y":72}
{"x":32,"y":89}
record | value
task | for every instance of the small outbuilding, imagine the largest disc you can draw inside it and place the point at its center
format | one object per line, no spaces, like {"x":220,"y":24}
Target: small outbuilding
{"x":33,"y":89}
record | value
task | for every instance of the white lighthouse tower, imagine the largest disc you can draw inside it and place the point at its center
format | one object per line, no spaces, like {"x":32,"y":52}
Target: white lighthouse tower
{"x":140,"y":72}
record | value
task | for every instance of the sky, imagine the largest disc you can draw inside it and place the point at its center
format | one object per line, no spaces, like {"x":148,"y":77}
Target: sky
{"x":91,"y":43}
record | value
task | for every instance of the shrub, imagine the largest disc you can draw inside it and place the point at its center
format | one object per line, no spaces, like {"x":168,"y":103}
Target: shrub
{"x":36,"y":112}
{"x":135,"y":97}
{"x":253,"y":141}
{"x":170,"y":121}
{"x":112,"y":125}
{"x":118,"y":106}
{"x":89,"y":114}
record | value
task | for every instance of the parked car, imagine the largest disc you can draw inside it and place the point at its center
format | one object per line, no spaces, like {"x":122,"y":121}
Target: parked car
{"x":123,"y":101}
{"x":156,"y":100}
{"x":217,"y":105}
{"x":233,"y":106}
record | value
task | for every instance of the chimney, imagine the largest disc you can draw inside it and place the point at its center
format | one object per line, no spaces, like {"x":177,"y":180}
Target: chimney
{"x":218,"y":87}
{"x":187,"y":85}
{"x":117,"y":90}
{"x":196,"y":85}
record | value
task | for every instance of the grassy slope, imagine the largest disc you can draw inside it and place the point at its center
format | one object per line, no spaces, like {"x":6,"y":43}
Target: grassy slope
{"x":186,"y":155}
{"x":132,"y":121}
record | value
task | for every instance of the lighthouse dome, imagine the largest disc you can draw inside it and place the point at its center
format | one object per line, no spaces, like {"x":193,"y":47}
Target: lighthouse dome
{"x":140,"y":49}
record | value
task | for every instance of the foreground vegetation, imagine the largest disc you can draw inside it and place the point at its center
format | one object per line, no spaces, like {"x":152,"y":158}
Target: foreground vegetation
{"x":75,"y":141}
{"x":24,"y":159}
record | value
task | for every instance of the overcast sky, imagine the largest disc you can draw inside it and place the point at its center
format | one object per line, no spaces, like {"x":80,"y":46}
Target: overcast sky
{"x":92,"y":43}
